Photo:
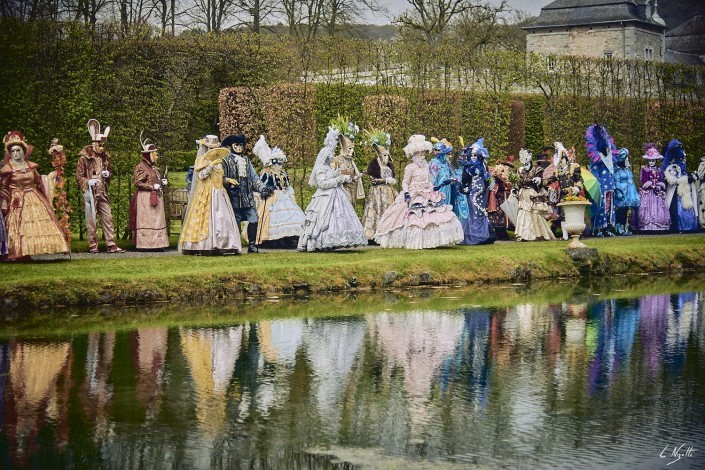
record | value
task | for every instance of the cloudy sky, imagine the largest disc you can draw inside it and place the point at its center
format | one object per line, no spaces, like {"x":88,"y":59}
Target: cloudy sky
{"x":396,"y":7}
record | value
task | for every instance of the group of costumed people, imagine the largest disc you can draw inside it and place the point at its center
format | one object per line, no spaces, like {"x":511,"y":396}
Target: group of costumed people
{"x":451,"y":198}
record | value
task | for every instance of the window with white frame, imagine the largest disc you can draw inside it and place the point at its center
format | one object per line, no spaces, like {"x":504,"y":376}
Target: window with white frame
{"x":648,"y":53}
{"x":551,"y":64}
{"x":608,"y":55}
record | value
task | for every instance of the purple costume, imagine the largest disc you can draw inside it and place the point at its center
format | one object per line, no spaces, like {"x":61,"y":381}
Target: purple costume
{"x":653,"y":212}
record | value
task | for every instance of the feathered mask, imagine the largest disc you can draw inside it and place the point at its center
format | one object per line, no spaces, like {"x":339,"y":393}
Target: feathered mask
{"x":598,"y":141}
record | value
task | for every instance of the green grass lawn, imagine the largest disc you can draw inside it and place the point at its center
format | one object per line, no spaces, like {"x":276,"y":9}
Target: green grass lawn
{"x":174,"y":277}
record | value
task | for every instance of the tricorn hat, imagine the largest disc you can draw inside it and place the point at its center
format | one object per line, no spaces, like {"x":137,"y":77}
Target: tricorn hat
{"x":234,"y":139}
{"x":94,"y":131}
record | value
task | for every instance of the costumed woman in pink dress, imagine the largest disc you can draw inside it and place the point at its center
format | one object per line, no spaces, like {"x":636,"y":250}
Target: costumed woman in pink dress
{"x":420,"y":217}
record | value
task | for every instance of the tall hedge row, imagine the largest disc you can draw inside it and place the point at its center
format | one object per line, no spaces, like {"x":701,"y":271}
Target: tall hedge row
{"x":56,"y":76}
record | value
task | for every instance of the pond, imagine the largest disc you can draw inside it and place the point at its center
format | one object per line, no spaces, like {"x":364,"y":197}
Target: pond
{"x":561,"y":376}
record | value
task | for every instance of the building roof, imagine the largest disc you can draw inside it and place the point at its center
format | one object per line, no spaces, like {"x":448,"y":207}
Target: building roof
{"x":688,"y":38}
{"x":562,"y":13}
{"x":673,"y":57}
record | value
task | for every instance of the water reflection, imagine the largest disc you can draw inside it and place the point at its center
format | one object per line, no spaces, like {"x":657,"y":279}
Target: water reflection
{"x":583,"y":382}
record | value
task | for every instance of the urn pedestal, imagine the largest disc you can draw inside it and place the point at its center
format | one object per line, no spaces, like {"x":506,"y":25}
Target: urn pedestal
{"x":574,"y":212}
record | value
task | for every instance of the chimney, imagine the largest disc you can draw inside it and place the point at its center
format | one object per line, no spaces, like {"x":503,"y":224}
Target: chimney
{"x":655,"y":18}
{"x":647,"y":11}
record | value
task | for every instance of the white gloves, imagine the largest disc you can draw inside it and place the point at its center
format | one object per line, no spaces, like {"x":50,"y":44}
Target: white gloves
{"x":205,"y":173}
{"x":345,"y":179}
{"x":576,"y":190}
{"x":157,"y":186}
{"x":647,"y":185}
{"x":390,"y":181}
{"x":164,"y":182}
{"x":92,"y":182}
{"x":536,"y":180}
{"x":106,"y":174}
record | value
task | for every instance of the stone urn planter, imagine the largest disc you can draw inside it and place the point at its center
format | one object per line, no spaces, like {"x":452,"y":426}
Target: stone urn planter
{"x":574,"y":220}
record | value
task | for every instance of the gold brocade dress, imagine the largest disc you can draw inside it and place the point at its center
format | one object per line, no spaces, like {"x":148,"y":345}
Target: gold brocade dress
{"x":209,"y":225}
{"x":32,"y":228}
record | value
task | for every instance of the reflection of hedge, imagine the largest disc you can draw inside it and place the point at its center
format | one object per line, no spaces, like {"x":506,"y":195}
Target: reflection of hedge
{"x":56,"y":76}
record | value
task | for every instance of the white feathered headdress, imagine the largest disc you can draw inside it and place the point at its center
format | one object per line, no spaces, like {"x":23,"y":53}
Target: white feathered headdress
{"x":525,"y":156}
{"x":560,"y":151}
{"x":417,"y":143}
{"x":263,"y":152}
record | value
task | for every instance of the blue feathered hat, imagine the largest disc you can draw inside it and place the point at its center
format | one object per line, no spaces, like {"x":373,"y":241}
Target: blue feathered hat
{"x":443,"y":147}
{"x":478,"y":148}
{"x":674,"y":153}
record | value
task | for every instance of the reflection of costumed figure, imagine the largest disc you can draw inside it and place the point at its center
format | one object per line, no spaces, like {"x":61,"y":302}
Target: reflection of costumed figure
{"x":567,"y":176}
{"x":420,"y":217}
{"x":32,"y":228}
{"x":531,"y":223}
{"x":147,"y":218}
{"x":681,"y":195}
{"x":149,"y":353}
{"x":499,"y":193}
{"x":344,"y":162}
{"x":331,"y":221}
{"x":476,"y":227}
{"x":56,"y":194}
{"x":94,"y":174}
{"x":331,"y":348}
{"x":419,"y":342}
{"x":601,"y":154}
{"x":701,"y":192}
{"x":279,"y":341}
{"x":36,"y":399}
{"x":625,"y":194}
{"x":211,"y":355}
{"x":97,"y":388}
{"x":445,"y":179}
{"x":241,"y":182}
{"x":209,"y":224}
{"x":653,"y":311}
{"x":280,"y":217}
{"x":381,"y":173}
{"x":653,"y":211}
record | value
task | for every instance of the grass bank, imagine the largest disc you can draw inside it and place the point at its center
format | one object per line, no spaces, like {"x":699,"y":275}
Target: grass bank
{"x":45,"y":323}
{"x":204,"y":279}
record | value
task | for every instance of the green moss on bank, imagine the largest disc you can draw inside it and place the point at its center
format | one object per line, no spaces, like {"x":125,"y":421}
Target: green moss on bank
{"x":198,"y":279}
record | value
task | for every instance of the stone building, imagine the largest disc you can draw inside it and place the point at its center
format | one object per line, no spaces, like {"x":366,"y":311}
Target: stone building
{"x":685,"y":44}
{"x":620,"y":29}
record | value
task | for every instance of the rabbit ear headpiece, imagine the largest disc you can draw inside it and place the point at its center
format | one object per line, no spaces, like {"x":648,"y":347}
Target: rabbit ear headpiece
{"x":94,"y":131}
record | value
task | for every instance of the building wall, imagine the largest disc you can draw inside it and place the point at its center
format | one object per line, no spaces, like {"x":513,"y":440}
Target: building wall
{"x":628,"y":42}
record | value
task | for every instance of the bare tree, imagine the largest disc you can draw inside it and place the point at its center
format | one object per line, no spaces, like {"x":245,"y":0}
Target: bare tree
{"x":134,"y":14}
{"x":304,"y":17}
{"x":253,"y":13}
{"x":29,"y":10}
{"x":212,"y":14}
{"x":337,"y":13}
{"x":431,"y":18}
{"x":86,"y":10}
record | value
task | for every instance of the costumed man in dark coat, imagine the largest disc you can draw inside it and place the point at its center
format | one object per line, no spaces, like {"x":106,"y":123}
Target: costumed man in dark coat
{"x":241,"y":182}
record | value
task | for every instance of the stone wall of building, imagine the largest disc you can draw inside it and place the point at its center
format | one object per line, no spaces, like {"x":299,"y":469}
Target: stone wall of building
{"x":596,"y":41}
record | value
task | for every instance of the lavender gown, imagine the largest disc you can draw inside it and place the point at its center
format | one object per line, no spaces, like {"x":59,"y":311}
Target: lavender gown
{"x":653,"y":213}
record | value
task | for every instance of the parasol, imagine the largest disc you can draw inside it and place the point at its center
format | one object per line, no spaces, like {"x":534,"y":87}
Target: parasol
{"x":592,"y":186}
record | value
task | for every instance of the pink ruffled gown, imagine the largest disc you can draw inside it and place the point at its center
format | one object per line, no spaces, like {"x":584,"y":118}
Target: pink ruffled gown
{"x":424,"y":221}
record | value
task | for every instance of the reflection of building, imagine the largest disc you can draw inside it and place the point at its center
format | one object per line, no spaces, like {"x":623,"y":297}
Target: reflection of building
{"x":37,"y":391}
{"x":620,"y":29}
